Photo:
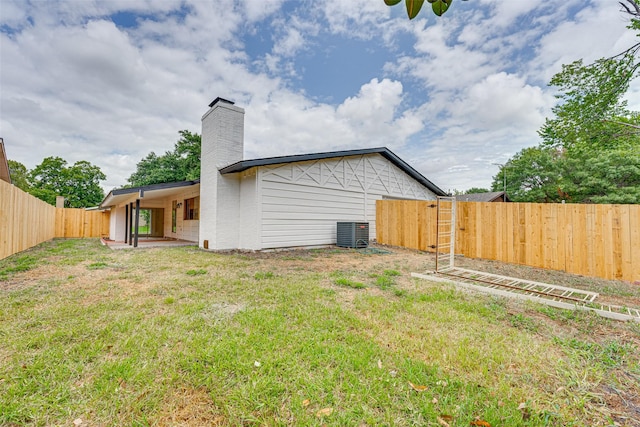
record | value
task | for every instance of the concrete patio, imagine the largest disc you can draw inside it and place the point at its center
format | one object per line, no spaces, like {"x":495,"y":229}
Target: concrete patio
{"x":148,"y":242}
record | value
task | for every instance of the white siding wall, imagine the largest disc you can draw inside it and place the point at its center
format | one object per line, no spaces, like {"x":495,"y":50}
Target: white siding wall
{"x":250,"y":227}
{"x":300,"y":203}
{"x":227,"y":219}
{"x":116,"y":224}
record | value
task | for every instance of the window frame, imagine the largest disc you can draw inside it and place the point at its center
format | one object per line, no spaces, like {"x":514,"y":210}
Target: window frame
{"x":191,"y":209}
{"x":174,"y":216}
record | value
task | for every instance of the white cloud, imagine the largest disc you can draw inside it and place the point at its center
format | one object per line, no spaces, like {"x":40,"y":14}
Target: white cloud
{"x":13,"y":14}
{"x":290,"y":44}
{"x":288,"y":123}
{"x":502,"y":100}
{"x":259,"y":10}
{"x":596,"y":32}
{"x":355,"y":18}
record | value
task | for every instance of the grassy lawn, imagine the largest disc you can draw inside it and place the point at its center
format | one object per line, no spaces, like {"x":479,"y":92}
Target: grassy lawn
{"x":143,"y":229}
{"x":178,"y":336}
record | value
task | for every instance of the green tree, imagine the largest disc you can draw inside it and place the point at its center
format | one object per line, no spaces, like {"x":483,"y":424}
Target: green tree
{"x":19,"y":175}
{"x":79,"y":184}
{"x":181,"y":164}
{"x":188,"y":150}
{"x":155,"y":169}
{"x":532,"y":175}
{"x":610,"y":176}
{"x":543,"y":174}
{"x":591,"y":111}
{"x":475,"y":190}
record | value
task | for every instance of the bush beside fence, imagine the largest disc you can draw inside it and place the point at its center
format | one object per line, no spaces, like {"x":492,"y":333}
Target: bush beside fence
{"x":591,"y":240}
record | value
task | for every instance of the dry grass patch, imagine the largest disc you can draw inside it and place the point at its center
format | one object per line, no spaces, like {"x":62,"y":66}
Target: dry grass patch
{"x":189,"y":407}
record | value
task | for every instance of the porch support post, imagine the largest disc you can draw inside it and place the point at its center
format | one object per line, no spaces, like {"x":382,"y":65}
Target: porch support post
{"x":130,"y":231}
{"x":135,"y":242}
{"x":126,"y":223}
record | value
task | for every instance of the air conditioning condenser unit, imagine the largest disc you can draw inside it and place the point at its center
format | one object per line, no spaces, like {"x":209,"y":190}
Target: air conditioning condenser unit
{"x":353,"y":234}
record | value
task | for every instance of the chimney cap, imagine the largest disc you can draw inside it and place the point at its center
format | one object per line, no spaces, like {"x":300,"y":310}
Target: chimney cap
{"x":218,"y":99}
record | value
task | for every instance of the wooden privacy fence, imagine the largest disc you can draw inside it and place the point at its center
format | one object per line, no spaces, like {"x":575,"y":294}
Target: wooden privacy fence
{"x":26,"y":221}
{"x":591,"y":240}
{"x":81,"y":223}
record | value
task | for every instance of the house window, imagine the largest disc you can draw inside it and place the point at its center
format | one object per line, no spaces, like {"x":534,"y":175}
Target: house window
{"x":192,"y":208}
{"x":174,"y":216}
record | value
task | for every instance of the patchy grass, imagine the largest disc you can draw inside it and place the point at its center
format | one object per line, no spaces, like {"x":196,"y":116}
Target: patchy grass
{"x":342,"y":281}
{"x":17,"y":264}
{"x":263,"y":275}
{"x":387,"y":279}
{"x":196,"y":272}
{"x":127,"y":338}
{"x":97,"y":265}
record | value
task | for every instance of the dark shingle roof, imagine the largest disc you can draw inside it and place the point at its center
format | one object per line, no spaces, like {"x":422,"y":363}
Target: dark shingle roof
{"x":482,"y":197}
{"x":152,"y":187}
{"x":383,"y":151}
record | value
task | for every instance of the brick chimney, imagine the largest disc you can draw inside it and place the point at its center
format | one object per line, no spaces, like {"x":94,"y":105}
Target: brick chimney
{"x":222,"y":145}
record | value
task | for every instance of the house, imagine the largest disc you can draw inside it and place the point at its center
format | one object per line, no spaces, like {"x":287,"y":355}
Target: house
{"x":4,"y":164}
{"x":493,"y":196}
{"x":274,"y":202}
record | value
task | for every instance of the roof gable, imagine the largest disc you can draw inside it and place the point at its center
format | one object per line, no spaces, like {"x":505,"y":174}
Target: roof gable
{"x":383,"y":151}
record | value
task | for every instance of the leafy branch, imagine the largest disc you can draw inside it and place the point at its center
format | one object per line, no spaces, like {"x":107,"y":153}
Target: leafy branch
{"x":413,"y":6}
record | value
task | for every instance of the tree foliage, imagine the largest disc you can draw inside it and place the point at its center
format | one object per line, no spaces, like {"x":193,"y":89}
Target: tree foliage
{"x":608,"y":176}
{"x":413,"y":6}
{"x":79,"y":184}
{"x":590,"y":103}
{"x":181,"y":164}
{"x":532,"y":175}
{"x":590,"y":150}
{"x":476,"y":190}
{"x":19,"y":175}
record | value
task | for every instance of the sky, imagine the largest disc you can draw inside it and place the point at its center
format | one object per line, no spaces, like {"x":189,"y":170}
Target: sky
{"x":111,"y":81}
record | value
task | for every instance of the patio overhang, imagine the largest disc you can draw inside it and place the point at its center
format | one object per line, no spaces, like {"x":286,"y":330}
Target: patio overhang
{"x":132,"y":200}
{"x":125,"y":196}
